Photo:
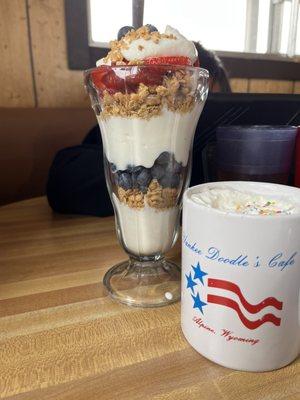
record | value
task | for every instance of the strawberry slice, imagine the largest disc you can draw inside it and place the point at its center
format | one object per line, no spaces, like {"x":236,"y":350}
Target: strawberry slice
{"x":151,"y":74}
{"x":173,"y":60}
{"x":104,"y":78}
{"x":147,"y":76}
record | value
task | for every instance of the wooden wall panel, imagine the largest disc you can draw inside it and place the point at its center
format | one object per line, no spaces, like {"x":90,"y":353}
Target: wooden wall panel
{"x":57,"y":86}
{"x":297,"y":87}
{"x":16,"y":83}
{"x":270,"y":86}
{"x":239,"y":85}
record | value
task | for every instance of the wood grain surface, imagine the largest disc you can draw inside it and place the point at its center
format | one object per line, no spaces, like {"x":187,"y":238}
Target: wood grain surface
{"x":239,"y":85}
{"x":270,"y":86}
{"x":61,"y":337}
{"x":16,"y":82}
{"x":297,"y":87}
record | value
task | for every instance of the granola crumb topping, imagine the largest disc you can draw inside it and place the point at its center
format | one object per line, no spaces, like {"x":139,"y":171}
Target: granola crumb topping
{"x":156,"y":197}
{"x":133,"y":198}
{"x":159,"y":197}
{"x":115,"y":54}
{"x":144,"y":33}
{"x":148,"y":101}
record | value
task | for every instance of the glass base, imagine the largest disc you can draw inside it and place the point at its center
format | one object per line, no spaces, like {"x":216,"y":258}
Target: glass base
{"x":144,"y":283}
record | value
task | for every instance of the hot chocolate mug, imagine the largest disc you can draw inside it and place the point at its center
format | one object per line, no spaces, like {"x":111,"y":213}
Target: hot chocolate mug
{"x":240,"y":281}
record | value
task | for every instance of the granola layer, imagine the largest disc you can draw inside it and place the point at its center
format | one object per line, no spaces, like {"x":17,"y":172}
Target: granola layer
{"x":156,"y":197}
{"x":175,"y":93}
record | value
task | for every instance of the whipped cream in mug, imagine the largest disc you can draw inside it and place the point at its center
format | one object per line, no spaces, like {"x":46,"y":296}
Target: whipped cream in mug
{"x":242,"y":202}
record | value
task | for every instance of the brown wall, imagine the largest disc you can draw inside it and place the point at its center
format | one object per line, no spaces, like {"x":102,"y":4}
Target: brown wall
{"x":33,"y":68}
{"x":29,"y":138}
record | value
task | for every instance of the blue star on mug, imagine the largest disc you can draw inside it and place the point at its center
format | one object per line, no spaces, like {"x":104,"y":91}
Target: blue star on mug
{"x":198,"y":273}
{"x":198,"y":303}
{"x":190,"y":282}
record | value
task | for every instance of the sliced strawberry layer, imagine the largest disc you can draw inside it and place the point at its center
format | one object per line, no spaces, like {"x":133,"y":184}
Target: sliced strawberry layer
{"x":147,"y":76}
{"x":173,"y":60}
{"x":104,"y":78}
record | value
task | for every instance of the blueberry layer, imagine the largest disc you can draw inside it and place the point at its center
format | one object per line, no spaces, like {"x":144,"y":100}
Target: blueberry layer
{"x":166,"y":170}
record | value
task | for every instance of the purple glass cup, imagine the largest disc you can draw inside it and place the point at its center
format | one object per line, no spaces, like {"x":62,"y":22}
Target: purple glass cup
{"x":255,"y":153}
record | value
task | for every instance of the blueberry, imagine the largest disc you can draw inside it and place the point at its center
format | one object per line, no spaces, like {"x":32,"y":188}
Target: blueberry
{"x":171,"y":181}
{"x":116,"y":178}
{"x":122,"y":32}
{"x":124,"y":180}
{"x":129,"y":168}
{"x":144,"y":178}
{"x":134,"y":183}
{"x":138,"y":169}
{"x":143,"y":189}
{"x":174,"y":167}
{"x":157,"y":171}
{"x":177,"y":167}
{"x":164,"y":181}
{"x":163,"y":158}
{"x":134,"y":171}
{"x":113,"y":167}
{"x":174,"y":181}
{"x":151,"y":28}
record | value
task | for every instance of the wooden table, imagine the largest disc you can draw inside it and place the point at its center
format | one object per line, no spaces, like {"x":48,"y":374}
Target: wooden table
{"x":61,"y":337}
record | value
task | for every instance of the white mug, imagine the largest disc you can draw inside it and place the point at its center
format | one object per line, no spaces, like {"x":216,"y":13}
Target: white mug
{"x":240,"y":281}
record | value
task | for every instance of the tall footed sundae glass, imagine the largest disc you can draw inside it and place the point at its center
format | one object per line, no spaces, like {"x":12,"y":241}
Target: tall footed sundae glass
{"x":147,"y":115}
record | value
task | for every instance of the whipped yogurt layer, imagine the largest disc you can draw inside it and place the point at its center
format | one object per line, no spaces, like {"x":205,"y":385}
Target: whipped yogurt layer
{"x":234,"y":201}
{"x":136,"y":141}
{"x":146,"y":231}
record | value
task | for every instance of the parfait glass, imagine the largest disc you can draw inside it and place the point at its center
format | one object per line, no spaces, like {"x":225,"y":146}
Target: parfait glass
{"x":147,"y":116}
